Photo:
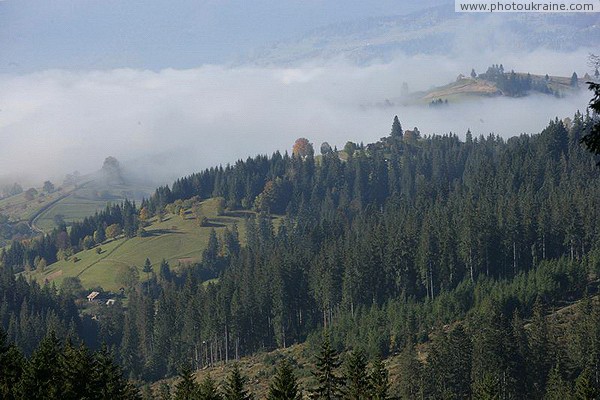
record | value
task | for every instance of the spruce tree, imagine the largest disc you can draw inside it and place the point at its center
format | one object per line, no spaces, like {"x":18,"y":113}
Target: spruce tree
{"x":357,"y":380}
{"x":411,"y":374}
{"x":538,"y":349}
{"x":486,"y":387}
{"x":592,"y":139}
{"x":43,"y":377}
{"x":76,"y":362}
{"x":107,"y":377}
{"x":234,"y":388}
{"x":130,"y":352}
{"x":396,"y":128}
{"x":284,"y":385}
{"x":557,"y":388}
{"x":584,"y":387}
{"x":574,"y":80}
{"x":11,"y":367}
{"x":449,"y":364}
{"x":186,"y":388}
{"x":164,"y":392}
{"x":208,"y":390}
{"x":329,"y":384}
{"x":379,"y":381}
{"x":147,"y":270}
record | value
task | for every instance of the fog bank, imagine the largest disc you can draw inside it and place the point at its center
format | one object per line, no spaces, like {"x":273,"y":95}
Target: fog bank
{"x":174,"y":122}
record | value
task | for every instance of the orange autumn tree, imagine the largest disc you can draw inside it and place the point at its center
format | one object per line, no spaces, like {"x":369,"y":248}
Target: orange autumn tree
{"x":303,"y":148}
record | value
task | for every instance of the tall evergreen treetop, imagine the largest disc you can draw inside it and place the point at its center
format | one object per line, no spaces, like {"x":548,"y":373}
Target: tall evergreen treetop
{"x":592,"y":139}
{"x":284,"y":385}
{"x":187,"y":388}
{"x":357,"y":380}
{"x":396,"y":128}
{"x":208,"y":390}
{"x":329,"y":384}
{"x":379,"y":381}
{"x":11,"y":367}
{"x":234,"y":388}
{"x":43,"y":376}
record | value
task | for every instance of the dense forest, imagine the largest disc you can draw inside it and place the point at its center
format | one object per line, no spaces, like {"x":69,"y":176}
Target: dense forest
{"x":462,"y":246}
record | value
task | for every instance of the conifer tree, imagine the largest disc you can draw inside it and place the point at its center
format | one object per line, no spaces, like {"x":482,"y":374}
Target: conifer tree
{"x":411,"y":374}
{"x":557,"y":388}
{"x":76,"y":362}
{"x":486,"y":387}
{"x":147,"y":268}
{"x":491,"y":361}
{"x":396,"y":128}
{"x":379,"y":381}
{"x":517,"y":341}
{"x":452,"y":363}
{"x":186,"y":388}
{"x":574,"y":80}
{"x":284,"y":385}
{"x":592,"y":139}
{"x":234,"y":388}
{"x":43,"y":376}
{"x":329,"y":384}
{"x":130,"y":354}
{"x":208,"y":390}
{"x":538,"y":349}
{"x":107,"y":377}
{"x":11,"y":367}
{"x":357,"y":380}
{"x":584,"y":387}
{"x":164,"y":392}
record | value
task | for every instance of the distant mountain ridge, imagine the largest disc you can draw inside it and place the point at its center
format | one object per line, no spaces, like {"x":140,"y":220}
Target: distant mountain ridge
{"x":437,"y":30}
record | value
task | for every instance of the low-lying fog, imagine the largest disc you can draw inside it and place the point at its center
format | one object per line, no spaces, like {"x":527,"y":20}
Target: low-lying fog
{"x":174,"y":122}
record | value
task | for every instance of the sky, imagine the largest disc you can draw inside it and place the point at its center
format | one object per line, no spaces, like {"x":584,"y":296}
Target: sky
{"x":159,"y":85}
{"x":157,"y":34}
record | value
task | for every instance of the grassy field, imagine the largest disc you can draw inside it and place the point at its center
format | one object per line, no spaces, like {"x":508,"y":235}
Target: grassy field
{"x":72,"y":203}
{"x":467,"y":88}
{"x":462,"y":88}
{"x":86,"y":200}
{"x":175,"y":239}
{"x":18,"y":208}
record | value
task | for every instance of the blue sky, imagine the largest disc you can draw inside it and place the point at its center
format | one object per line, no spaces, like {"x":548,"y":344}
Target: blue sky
{"x":156,"y":34}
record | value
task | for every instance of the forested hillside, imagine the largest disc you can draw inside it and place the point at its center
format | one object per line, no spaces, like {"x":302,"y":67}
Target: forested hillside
{"x":380,"y":245}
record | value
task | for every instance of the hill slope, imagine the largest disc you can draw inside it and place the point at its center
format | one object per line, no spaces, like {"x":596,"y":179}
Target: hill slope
{"x":176,"y":239}
{"x":465,"y":88}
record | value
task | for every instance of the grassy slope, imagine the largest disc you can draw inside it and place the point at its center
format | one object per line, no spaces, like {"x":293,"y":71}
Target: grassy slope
{"x":84,"y":201}
{"x":74,"y":203}
{"x":174,"y":239}
{"x":461,"y":88}
{"x":467,"y":88}
{"x":18,"y":208}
